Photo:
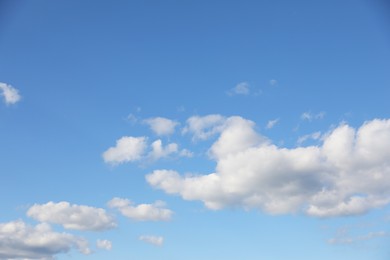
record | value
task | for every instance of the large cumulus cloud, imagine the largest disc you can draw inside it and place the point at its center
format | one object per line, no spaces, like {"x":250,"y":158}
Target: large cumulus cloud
{"x":347,"y":174}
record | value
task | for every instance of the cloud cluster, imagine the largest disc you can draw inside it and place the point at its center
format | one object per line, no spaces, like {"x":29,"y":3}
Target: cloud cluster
{"x":132,"y":149}
{"x":76,"y":217}
{"x":10,"y":94}
{"x":347,"y":174}
{"x":141,"y":212}
{"x":19,"y":240}
{"x":154,"y":240}
{"x":22,"y":241}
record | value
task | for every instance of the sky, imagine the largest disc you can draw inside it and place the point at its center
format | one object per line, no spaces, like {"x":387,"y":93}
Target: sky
{"x":194,"y":130}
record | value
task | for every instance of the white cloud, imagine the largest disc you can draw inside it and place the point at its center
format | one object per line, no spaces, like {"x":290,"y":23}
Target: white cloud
{"x":161,"y":125}
{"x":186,"y":153}
{"x":141,"y":212}
{"x":313,"y":136}
{"x":10,"y":94}
{"x":154,"y":240}
{"x":272,"y":123}
{"x":21,"y":241}
{"x":348,"y":174}
{"x":104,"y":244}
{"x":310,"y":116}
{"x":127,"y":149}
{"x":77,"y":217}
{"x":159,"y":151}
{"x":203,"y":127}
{"x":240,"y":89}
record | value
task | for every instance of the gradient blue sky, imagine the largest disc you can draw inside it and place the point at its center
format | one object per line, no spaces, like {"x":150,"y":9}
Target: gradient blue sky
{"x":263,"y":74}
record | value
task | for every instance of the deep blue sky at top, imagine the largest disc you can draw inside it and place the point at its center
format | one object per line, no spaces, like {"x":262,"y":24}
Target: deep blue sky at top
{"x":325,"y":54}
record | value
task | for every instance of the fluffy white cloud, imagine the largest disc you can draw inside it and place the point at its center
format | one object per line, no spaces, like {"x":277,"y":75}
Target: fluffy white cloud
{"x":104,"y":244}
{"x":21,"y":241}
{"x":240,"y":89}
{"x":131,"y":149}
{"x":127,"y":149}
{"x":203,"y":127}
{"x":141,"y":212}
{"x":161,"y":125}
{"x":77,"y":217}
{"x":154,"y":240}
{"x":272,"y":123}
{"x":349,"y":173}
{"x":10,"y":94}
{"x":159,"y":151}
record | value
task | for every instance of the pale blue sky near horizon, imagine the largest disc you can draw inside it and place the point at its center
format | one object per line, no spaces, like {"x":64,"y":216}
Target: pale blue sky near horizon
{"x":91,"y":72}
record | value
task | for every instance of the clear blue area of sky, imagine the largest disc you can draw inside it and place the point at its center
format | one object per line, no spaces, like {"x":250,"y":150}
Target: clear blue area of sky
{"x":82,"y":67}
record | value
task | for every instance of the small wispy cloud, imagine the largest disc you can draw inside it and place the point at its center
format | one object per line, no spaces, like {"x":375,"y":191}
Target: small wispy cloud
{"x":241,"y":88}
{"x":344,"y":239}
{"x":273,"y":82}
{"x":312,"y":136}
{"x":272,"y":123}
{"x":308,"y":116}
{"x":154,"y":240}
{"x":132,"y":118}
{"x":10,"y":94}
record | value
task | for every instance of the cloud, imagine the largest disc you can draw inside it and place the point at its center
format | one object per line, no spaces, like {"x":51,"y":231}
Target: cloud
{"x":132,"y":119}
{"x":313,"y":136}
{"x":272,"y":123}
{"x":347,"y":174}
{"x":21,"y":241}
{"x":158,"y":151}
{"x":154,"y":240}
{"x":161,"y":126}
{"x":127,"y":149}
{"x":273,"y":82}
{"x":131,"y":149}
{"x":240,"y":89}
{"x":10,"y":94}
{"x":141,"y":212}
{"x":77,"y":217}
{"x":308,"y":116}
{"x":343,"y":239}
{"x":186,"y":153}
{"x":203,"y":127}
{"x":104,"y":244}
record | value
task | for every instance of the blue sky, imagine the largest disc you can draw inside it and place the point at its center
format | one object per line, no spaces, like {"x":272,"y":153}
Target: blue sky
{"x":194,"y":130}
